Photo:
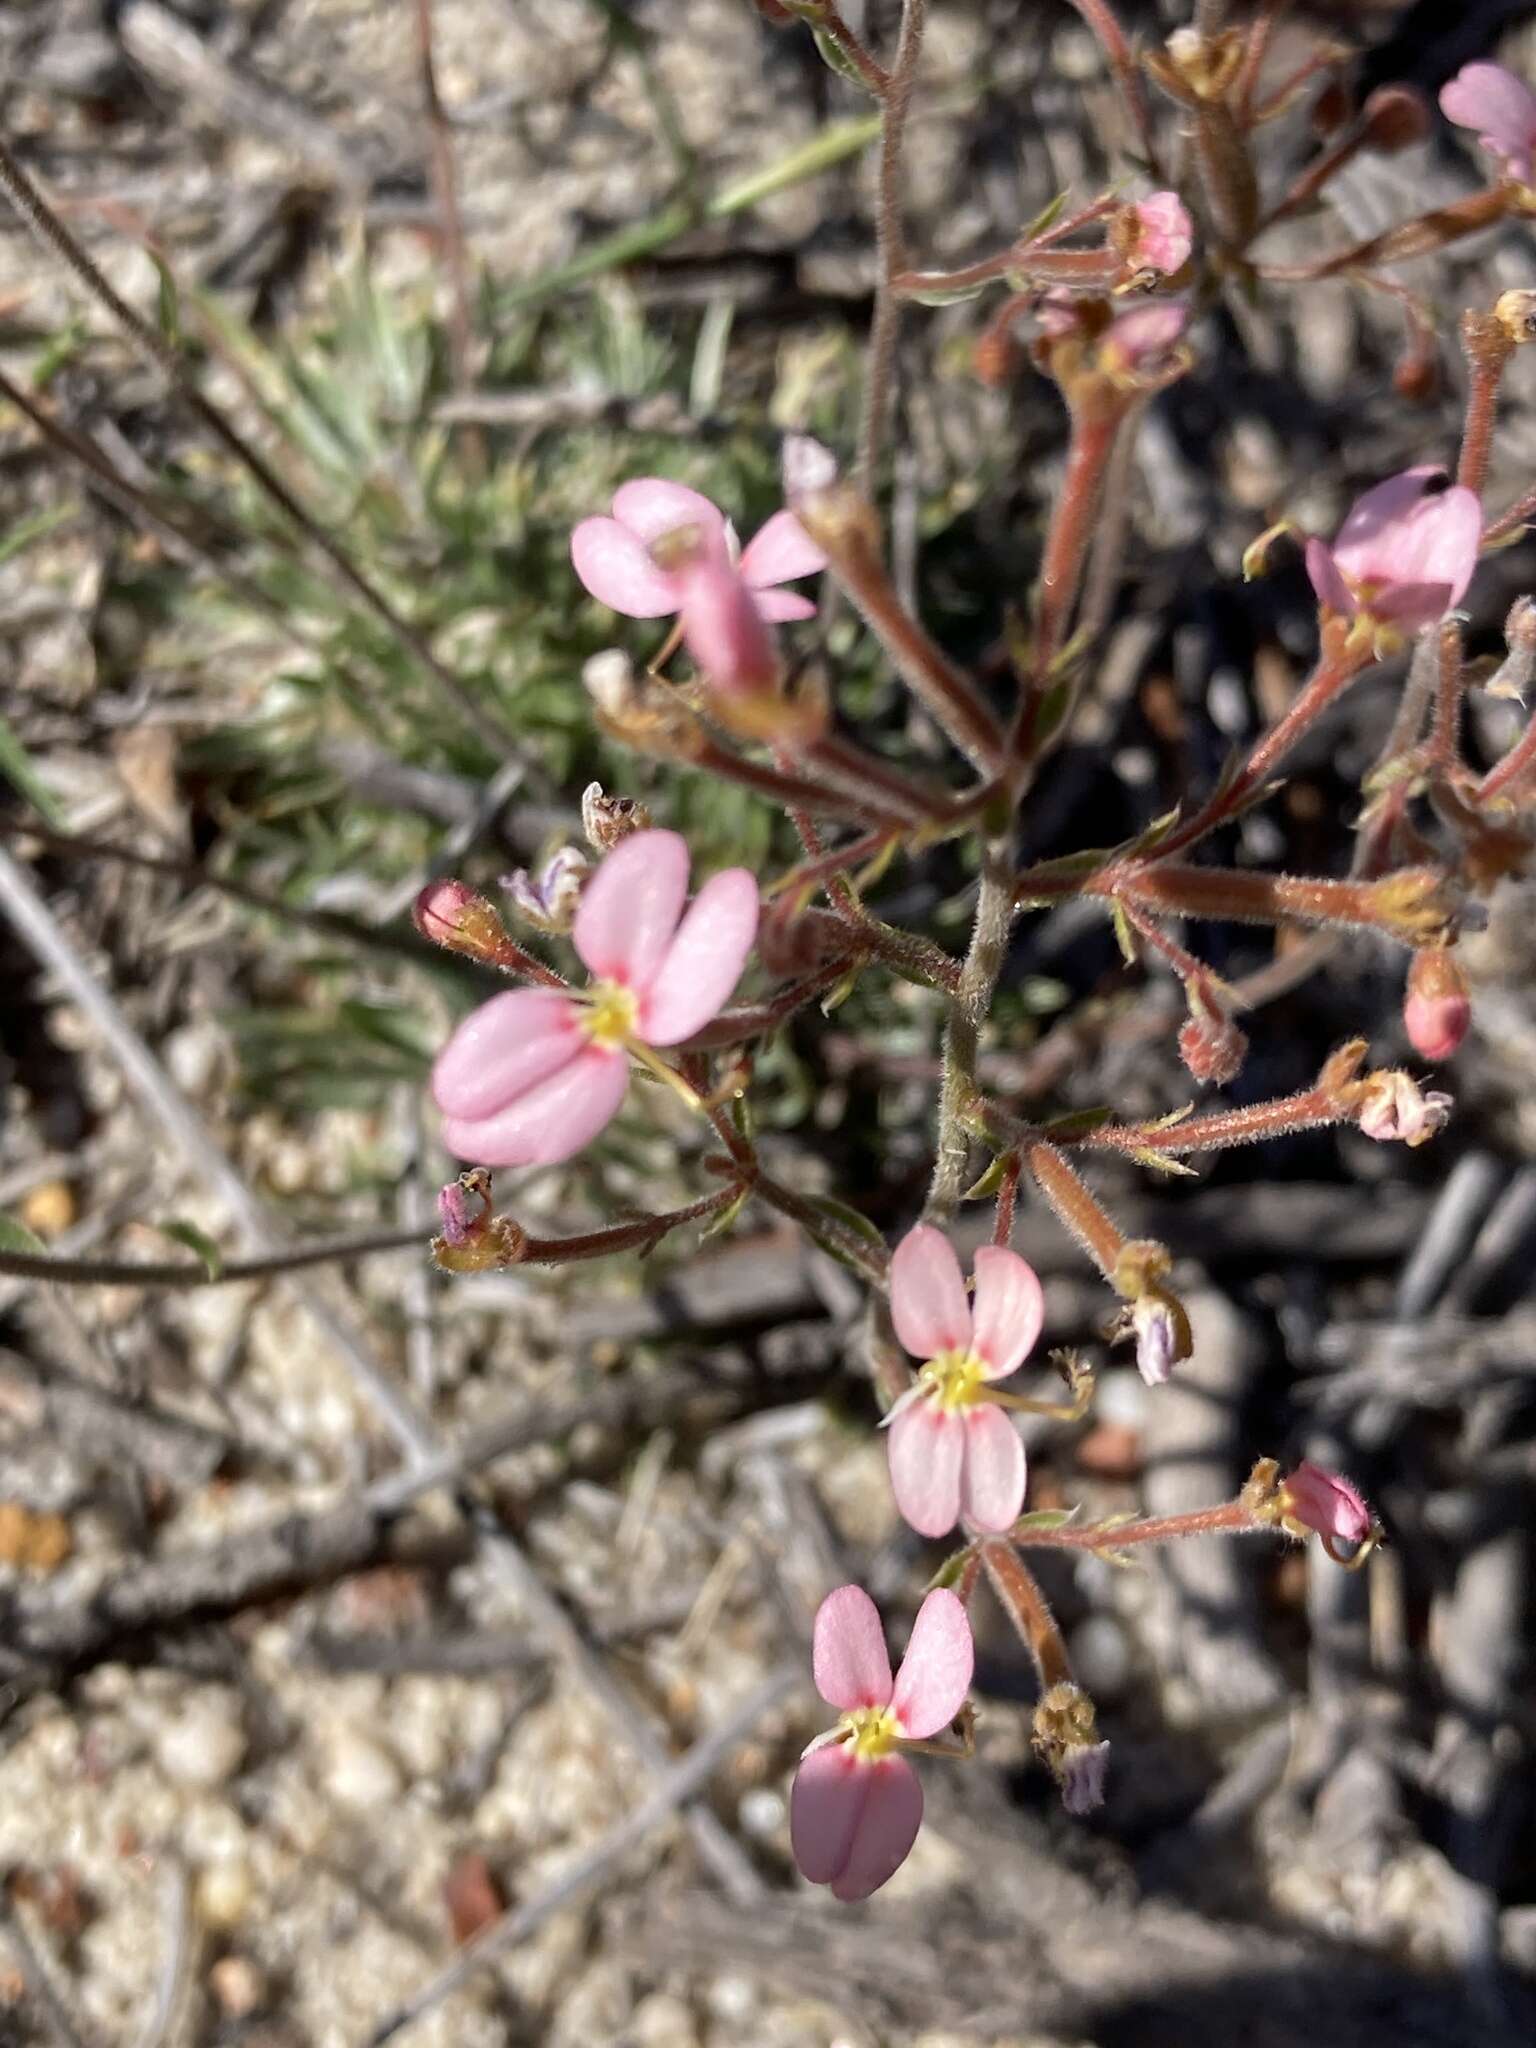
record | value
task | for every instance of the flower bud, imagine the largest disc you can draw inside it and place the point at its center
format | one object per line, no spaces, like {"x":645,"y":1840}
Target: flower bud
{"x":1326,"y":1504}
{"x":548,"y":901}
{"x":608,"y":819}
{"x":1416,"y":375}
{"x":1437,"y":1008}
{"x":1142,"y":347}
{"x":1395,"y":117}
{"x":451,"y":915}
{"x":1330,"y":110}
{"x":1154,"y":234}
{"x":1212,"y":1047}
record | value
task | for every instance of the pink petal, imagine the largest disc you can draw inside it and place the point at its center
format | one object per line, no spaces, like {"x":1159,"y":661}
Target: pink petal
{"x":1329,"y":585}
{"x":926,"y":1446}
{"x":884,"y":1831}
{"x":552,"y":1121}
{"x":1495,"y":102}
{"x":731,"y":642}
{"x":825,"y":1804}
{"x":848,"y":1654}
{"x":992,"y":1474}
{"x":630,"y":908}
{"x":503,"y":1049}
{"x":779,"y":606}
{"x":1364,"y":548}
{"x":936,"y":1672}
{"x":1008,"y":1312}
{"x":779,"y":552}
{"x":1411,"y":605}
{"x":617,"y":570}
{"x":704,"y":961}
{"x":928,"y":1303}
{"x":1438,"y":542}
{"x":653,"y":505}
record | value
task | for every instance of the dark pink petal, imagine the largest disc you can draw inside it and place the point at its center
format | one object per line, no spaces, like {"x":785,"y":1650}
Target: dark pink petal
{"x":992,"y":1472}
{"x":1437,"y":542}
{"x":779,"y":552}
{"x":936,"y":1672}
{"x":925,"y":1445}
{"x":780,"y":606}
{"x":1326,"y":1502}
{"x":1007,"y":1313}
{"x":884,"y":1831}
{"x":703,"y":963}
{"x":1364,"y":548}
{"x":825,"y":1804}
{"x":731,"y":642}
{"x":848,"y":1654}
{"x":552,"y":1121}
{"x":928,"y":1304}
{"x":503,"y":1049}
{"x":630,"y":908}
{"x":1329,"y":585}
{"x":1411,"y":605}
{"x":653,"y":505}
{"x":618,"y":571}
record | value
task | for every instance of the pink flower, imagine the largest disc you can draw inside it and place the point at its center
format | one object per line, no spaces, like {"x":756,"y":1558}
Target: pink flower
{"x":953,"y":1451}
{"x":1314,"y":1499}
{"x":614,"y":559}
{"x":723,"y":624}
{"x":534,"y":1074}
{"x":1404,"y":555}
{"x":856,"y":1805}
{"x":1140,"y":345}
{"x":1163,"y":233}
{"x":1501,"y":107}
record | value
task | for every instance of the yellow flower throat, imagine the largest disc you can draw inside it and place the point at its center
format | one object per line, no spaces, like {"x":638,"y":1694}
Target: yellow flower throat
{"x":955,"y":1379}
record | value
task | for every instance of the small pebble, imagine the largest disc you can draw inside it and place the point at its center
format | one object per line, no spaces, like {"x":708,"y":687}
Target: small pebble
{"x":360,"y":1774}
{"x":201,"y":1744}
{"x":238,"y":1987}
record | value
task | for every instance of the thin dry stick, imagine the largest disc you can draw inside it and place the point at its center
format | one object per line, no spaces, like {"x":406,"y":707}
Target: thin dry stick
{"x":47,"y":2003}
{"x":162,"y":356}
{"x":890,"y":253}
{"x":182,"y":1273}
{"x":687,"y":1777}
{"x":445,"y":194}
{"x":37,"y":926}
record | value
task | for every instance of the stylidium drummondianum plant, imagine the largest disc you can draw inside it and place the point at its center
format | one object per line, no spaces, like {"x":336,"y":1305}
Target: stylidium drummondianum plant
{"x":686,"y":979}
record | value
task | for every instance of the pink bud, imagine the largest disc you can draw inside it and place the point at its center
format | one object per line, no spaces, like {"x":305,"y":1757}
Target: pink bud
{"x":1437,"y":1010}
{"x":1158,"y":234}
{"x":1140,"y":344}
{"x":1323,"y":1502}
{"x":1212,"y":1048}
{"x":451,"y":915}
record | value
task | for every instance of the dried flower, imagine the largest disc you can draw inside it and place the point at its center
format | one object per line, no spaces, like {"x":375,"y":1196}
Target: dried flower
{"x":533,"y":1075}
{"x":856,"y":1805}
{"x":1153,"y":1316}
{"x":953,"y":1451}
{"x":1502,"y":108}
{"x":548,"y":900}
{"x":1155,"y":233}
{"x":608,"y":819}
{"x":1404,"y":555}
{"x":1066,"y":1739}
{"x":616,"y":557}
{"x":1392,"y":1107}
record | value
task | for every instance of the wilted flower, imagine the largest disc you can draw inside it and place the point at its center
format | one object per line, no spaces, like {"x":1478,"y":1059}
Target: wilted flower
{"x":1066,"y":1739}
{"x":1155,"y":233}
{"x":856,"y":1805}
{"x":608,"y":819}
{"x":953,"y":1451}
{"x":1141,"y":346}
{"x":1404,"y":555}
{"x":615,"y":560}
{"x":1393,"y":1107}
{"x":548,"y":900}
{"x":1153,"y":1314}
{"x":1502,"y":108}
{"x":1081,"y":1774}
{"x":534,"y":1074}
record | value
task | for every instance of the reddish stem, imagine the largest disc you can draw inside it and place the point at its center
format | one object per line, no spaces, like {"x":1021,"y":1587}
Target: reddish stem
{"x":1076,"y":1207}
{"x":1230,"y":1519}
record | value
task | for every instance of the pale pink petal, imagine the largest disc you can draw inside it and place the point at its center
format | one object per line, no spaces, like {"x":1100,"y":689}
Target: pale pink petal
{"x":1411,"y":605}
{"x":884,"y":1831}
{"x":1166,"y":232}
{"x":779,"y":552}
{"x":653,"y":505}
{"x":825,"y":1803}
{"x":1329,"y":585}
{"x":552,"y":1121}
{"x":848,"y":1654}
{"x":928,"y":1303}
{"x":503,"y":1049}
{"x":780,"y":606}
{"x":1008,"y":1311}
{"x":703,"y":963}
{"x":731,"y":642}
{"x":925,"y":1446}
{"x":618,"y":571}
{"x":1438,"y":542}
{"x":992,"y":1473}
{"x":630,"y":908}
{"x":1500,"y":106}
{"x":936,"y":1672}
{"x":1363,"y":548}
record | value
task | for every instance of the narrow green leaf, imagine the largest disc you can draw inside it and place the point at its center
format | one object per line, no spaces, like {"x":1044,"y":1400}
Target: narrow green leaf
{"x":15,"y":1237}
{"x":197,"y":1242}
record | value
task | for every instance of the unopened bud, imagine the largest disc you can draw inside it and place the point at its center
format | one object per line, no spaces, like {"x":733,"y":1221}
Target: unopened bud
{"x":997,"y":356}
{"x":548,"y":900}
{"x":1330,"y":110}
{"x":608,"y":819}
{"x":1212,"y":1047}
{"x":1326,"y":1504}
{"x":1153,"y":234}
{"x":1416,"y":375}
{"x":1437,"y":1009}
{"x":1395,"y":117}
{"x":451,"y":915}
